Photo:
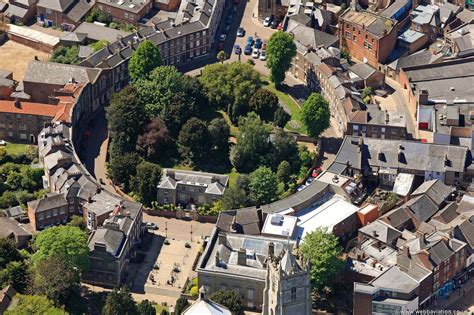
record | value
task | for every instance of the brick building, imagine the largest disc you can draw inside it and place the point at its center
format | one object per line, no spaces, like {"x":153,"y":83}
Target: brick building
{"x":49,"y":211}
{"x":65,"y":13}
{"x":368,"y":37}
{"x":129,"y":11}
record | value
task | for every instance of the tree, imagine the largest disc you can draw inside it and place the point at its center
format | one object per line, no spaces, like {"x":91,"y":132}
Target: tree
{"x":280,"y":50}
{"x":219,"y":131}
{"x":158,"y":89}
{"x":15,"y":274}
{"x":230,"y":85}
{"x":78,"y":221}
{"x":126,"y":118}
{"x":8,"y":252}
{"x":143,"y":60}
{"x":315,"y":114}
{"x":55,"y":279}
{"x":229,"y":299}
{"x":145,"y":181}
{"x":120,"y":301}
{"x":68,"y":243}
{"x":263,"y":185}
{"x":194,"y":141}
{"x":253,"y":146}
{"x":264,"y":103}
{"x":99,"y":16}
{"x":234,"y":198}
{"x":99,"y":45}
{"x":66,"y":55}
{"x":285,"y":148}
{"x":145,"y":307}
{"x":284,"y":172}
{"x":122,"y":168}
{"x":181,"y":304}
{"x":34,"y":304}
{"x":154,"y":140}
{"x":221,"y":56}
{"x":322,"y":250}
{"x":366,"y":94}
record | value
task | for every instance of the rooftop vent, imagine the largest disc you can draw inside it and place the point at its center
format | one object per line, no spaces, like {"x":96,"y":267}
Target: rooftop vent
{"x":277,"y":219}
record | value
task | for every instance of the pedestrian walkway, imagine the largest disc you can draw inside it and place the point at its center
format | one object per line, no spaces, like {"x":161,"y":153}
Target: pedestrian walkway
{"x":458,"y":300}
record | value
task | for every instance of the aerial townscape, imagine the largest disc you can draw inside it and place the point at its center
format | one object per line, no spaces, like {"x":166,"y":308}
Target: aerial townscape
{"x":218,"y":157}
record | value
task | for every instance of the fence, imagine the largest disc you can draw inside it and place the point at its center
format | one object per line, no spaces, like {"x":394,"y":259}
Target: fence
{"x":182,"y":215}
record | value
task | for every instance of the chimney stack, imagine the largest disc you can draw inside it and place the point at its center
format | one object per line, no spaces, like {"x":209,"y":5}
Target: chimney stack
{"x":271,"y":249}
{"x":233,"y":226}
{"x":218,"y":261}
{"x":17,"y":103}
{"x":406,"y":251}
{"x":242,"y":257}
{"x":222,"y":239}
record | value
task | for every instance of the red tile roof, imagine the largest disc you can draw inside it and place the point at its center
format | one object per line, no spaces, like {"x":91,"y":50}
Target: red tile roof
{"x":28,"y":108}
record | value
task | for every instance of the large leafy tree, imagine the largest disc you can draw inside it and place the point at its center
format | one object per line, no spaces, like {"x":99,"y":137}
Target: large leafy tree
{"x":285,"y":148}
{"x":264,"y":103}
{"x":54,"y":278}
{"x":323,"y":251}
{"x":145,"y":181}
{"x":229,"y":299}
{"x":281,"y":117}
{"x":263,"y":185}
{"x":8,"y":252}
{"x":16,"y":274}
{"x":123,"y":167}
{"x":284,"y":172}
{"x":235,"y":198}
{"x":34,"y":304}
{"x":146,"y":58}
{"x":253,"y":146}
{"x":120,"y":301}
{"x":154,"y":140}
{"x":315,"y":114}
{"x":219,"y":131}
{"x":145,"y":307}
{"x":280,"y":50}
{"x":194,"y":141}
{"x":230,"y":86}
{"x":68,"y":243}
{"x":126,"y":119}
{"x":181,"y":304}
{"x":66,"y":55}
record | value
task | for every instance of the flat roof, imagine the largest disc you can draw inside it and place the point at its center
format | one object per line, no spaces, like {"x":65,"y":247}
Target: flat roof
{"x":327,"y":215}
{"x":277,"y":224}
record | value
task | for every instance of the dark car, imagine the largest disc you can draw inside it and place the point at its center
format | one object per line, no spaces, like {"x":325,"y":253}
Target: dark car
{"x":229,"y":19}
{"x":237,"y":50}
{"x":274,"y":24}
{"x":234,"y":9}
{"x":226,"y":29}
{"x":241,"y":32}
{"x":249,"y":41}
{"x":220,"y":46}
{"x":248,"y":50}
{"x":258,"y":43}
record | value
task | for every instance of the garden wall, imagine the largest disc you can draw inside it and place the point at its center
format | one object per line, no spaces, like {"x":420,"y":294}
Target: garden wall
{"x":182,"y":215}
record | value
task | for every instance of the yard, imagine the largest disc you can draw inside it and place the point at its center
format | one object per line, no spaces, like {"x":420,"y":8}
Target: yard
{"x":17,"y":148}
{"x":15,"y":57}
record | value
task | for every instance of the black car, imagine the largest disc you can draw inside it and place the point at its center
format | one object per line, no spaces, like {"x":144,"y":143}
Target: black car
{"x":226,"y":29}
{"x":274,"y":24}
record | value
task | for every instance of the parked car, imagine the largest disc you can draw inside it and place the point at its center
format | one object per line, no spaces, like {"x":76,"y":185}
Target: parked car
{"x":151,"y":226}
{"x":241,"y":32}
{"x":258,"y":43}
{"x":280,"y":26}
{"x":255,"y":53}
{"x":248,"y":49}
{"x":234,"y":9}
{"x":220,"y":46}
{"x":263,"y":55}
{"x":250,"y":40}
{"x":226,"y":30}
{"x":264,"y":46}
{"x":229,"y":19}
{"x":237,"y":50}
{"x":309,"y":181}
{"x":223,"y":37}
{"x":268,"y":20}
{"x":301,"y":188}
{"x":274,"y":24}
{"x":3,"y":143}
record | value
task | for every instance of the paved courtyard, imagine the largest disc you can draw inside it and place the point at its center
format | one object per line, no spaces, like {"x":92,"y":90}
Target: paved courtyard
{"x":15,"y":57}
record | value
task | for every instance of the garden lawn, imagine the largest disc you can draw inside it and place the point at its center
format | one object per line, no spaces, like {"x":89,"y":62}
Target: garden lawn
{"x":233,"y":178}
{"x":234,"y":130}
{"x":16,"y":148}
{"x":295,"y":124}
{"x":160,"y":308}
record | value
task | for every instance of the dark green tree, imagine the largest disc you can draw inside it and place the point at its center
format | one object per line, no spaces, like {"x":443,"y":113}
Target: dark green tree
{"x":68,"y":243}
{"x":253,"y":146}
{"x":281,"y":117}
{"x":66,"y":55}
{"x":8,"y":252}
{"x":34,"y":304}
{"x":284,"y":172}
{"x":280,"y":50}
{"x":122,"y":168}
{"x":264,"y":103}
{"x":235,"y":198}
{"x":263,"y":185}
{"x":155,"y":140}
{"x":78,"y":221}
{"x":145,"y":181}
{"x":194,"y":141}
{"x":229,"y":299}
{"x":315,"y":114}
{"x":120,"y":301}
{"x":219,"y":131}
{"x":181,"y":304}
{"x":146,"y":58}
{"x":15,"y":274}
{"x":145,"y":307}
{"x":321,"y":248}
{"x":285,"y":148}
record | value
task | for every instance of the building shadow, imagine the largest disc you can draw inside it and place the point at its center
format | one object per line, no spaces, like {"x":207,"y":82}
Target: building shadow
{"x":93,"y":137}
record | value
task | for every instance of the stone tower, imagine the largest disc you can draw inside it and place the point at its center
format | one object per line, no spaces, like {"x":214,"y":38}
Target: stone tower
{"x":287,"y":287}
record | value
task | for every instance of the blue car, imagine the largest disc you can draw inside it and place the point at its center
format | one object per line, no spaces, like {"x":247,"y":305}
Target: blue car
{"x":250,"y":41}
{"x":237,"y":50}
{"x":248,"y":49}
{"x":229,"y":19}
{"x":258,"y":43}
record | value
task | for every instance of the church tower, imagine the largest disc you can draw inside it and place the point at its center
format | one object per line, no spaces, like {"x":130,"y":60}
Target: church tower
{"x":287,"y":287}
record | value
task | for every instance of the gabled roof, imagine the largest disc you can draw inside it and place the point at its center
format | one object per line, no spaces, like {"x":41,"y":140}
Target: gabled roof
{"x":395,"y":280}
{"x":381,"y":231}
{"x":48,"y":203}
{"x":439,"y":252}
{"x":111,"y":238}
{"x":422,"y":208}
{"x":56,"y":5}
{"x":362,"y":70}
{"x":435,"y":189}
{"x":60,"y":74}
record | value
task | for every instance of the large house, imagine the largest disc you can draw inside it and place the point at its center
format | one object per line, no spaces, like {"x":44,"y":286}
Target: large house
{"x":65,"y":13}
{"x":131,"y":11}
{"x":189,"y":187}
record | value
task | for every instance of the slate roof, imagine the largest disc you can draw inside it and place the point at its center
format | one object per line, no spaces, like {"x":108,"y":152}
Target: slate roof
{"x":466,"y":230}
{"x":439,"y":252}
{"x":448,"y":213}
{"x":10,"y":227}
{"x":248,"y":221}
{"x":112,"y":239}
{"x":396,"y":280}
{"x":421,"y":207}
{"x":381,"y":231}
{"x":213,"y":183}
{"x":48,"y":203}
{"x":98,"y":32}
{"x":56,"y":5}
{"x":79,"y":9}
{"x":363,"y":70}
{"x":60,"y":74}
{"x":311,"y":37}
{"x":396,"y":217}
{"x":421,"y":57}
{"x":435,"y":189}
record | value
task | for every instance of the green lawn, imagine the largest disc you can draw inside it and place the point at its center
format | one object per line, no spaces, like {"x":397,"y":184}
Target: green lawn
{"x":233,"y":177}
{"x":295,"y":124}
{"x":16,"y":148}
{"x":233,"y":129}
{"x":160,"y":308}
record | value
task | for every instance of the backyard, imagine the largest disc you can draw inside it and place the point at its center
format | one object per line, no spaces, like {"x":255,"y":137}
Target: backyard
{"x":21,"y":55}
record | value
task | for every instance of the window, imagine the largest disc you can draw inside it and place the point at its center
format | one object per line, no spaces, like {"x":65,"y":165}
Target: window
{"x":198,"y":35}
{"x":354,"y":38}
{"x":204,"y":33}
{"x":125,"y":15}
{"x":250,"y":294}
{"x":22,"y":127}
{"x":198,"y":42}
{"x":23,"y":136}
{"x":293,"y":293}
{"x":456,"y":174}
{"x":383,"y":129}
{"x":48,"y":11}
{"x":348,"y":34}
{"x":355,"y":128}
{"x":367,"y":46}
{"x":10,"y":134}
